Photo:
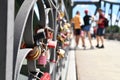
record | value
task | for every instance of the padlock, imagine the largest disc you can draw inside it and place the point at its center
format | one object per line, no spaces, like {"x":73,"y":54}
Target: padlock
{"x":65,"y":27}
{"x":48,"y":55}
{"x":42,"y":60}
{"x":50,"y":35}
{"x":61,"y":28}
{"x":63,"y":36}
{"x":40,"y":35}
{"x":61,"y":52}
{"x":34,"y":54}
{"x":60,"y":38}
{"x":68,"y":24}
{"x":49,"y":29}
{"x":46,"y":76}
{"x":68,"y":31}
{"x":49,"y":32}
{"x":66,"y":43}
{"x":52,"y":44}
{"x":41,"y":75}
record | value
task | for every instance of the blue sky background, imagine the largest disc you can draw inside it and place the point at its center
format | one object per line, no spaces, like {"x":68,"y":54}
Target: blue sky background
{"x":92,"y":9}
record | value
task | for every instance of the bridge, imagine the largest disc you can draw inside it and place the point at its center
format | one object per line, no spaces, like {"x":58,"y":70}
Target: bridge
{"x":96,"y":64}
{"x":35,"y":39}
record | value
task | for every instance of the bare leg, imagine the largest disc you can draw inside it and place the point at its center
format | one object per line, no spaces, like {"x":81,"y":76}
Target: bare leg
{"x":77,"y":39}
{"x":89,"y":37}
{"x":83,"y":38}
{"x":97,"y":38}
{"x":102,"y":39}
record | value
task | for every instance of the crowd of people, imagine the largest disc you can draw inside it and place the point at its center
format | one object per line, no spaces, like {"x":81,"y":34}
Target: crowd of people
{"x":80,"y":31}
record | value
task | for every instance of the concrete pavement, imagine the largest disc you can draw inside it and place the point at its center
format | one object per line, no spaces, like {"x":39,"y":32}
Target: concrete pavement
{"x":99,"y":64}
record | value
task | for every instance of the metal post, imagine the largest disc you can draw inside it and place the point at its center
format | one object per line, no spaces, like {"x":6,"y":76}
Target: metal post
{"x":6,"y":39}
{"x":111,"y":11}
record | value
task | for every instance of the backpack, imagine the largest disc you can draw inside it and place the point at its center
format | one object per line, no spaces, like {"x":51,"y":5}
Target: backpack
{"x":106,"y":22}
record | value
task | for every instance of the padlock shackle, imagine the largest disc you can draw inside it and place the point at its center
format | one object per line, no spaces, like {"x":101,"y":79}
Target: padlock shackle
{"x":36,"y":75}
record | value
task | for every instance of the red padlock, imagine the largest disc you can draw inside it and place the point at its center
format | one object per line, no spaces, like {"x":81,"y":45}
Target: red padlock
{"x":42,"y":60}
{"x":46,"y":76}
{"x":49,"y":32}
{"x":41,"y":75}
{"x":52,"y":44}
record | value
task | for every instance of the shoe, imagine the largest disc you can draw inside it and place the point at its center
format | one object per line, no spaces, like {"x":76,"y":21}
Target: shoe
{"x":84,"y":47}
{"x":101,"y":46}
{"x":77,"y":48}
{"x":97,"y":46}
{"x":91,"y":47}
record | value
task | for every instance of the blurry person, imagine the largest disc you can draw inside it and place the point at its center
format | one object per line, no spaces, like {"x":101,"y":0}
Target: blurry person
{"x":92,"y":32}
{"x":77,"y":23}
{"x":100,"y":29}
{"x":87,"y":26}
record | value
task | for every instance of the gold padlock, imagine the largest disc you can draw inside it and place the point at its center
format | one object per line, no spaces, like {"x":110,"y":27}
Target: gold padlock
{"x":65,"y":27}
{"x":61,"y":28}
{"x":68,"y":24}
{"x":61,"y":53}
{"x":60,"y":38}
{"x":34,"y":54}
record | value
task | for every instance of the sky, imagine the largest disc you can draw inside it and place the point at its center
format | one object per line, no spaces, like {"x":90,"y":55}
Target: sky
{"x":92,"y":8}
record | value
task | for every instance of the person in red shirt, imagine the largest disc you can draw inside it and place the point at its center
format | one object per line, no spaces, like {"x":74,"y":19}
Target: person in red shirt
{"x":100,"y":29}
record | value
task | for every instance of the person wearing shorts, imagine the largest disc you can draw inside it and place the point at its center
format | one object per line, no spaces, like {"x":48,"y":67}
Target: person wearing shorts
{"x":86,"y":28}
{"x":100,"y":29}
{"x":77,"y":32}
{"x":77,"y":28}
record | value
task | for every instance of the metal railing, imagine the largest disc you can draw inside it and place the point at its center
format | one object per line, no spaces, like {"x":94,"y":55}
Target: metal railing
{"x":24,"y":31}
